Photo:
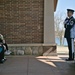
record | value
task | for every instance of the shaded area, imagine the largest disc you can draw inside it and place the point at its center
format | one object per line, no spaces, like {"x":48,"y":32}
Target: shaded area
{"x":42,"y":65}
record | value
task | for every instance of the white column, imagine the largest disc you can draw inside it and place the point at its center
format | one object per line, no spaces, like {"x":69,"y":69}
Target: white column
{"x":49,"y":30}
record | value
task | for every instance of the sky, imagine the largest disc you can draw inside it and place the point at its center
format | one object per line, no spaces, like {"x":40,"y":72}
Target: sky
{"x":65,"y":4}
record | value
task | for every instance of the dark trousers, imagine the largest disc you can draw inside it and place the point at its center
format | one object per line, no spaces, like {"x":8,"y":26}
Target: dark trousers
{"x":2,"y":55}
{"x":70,"y":42}
{"x":6,"y":46}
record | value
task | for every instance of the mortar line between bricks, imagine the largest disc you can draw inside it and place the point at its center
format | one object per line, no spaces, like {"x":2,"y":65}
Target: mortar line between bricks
{"x":28,"y":66}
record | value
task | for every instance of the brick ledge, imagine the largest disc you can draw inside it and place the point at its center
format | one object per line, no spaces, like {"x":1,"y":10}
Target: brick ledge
{"x":31,"y":44}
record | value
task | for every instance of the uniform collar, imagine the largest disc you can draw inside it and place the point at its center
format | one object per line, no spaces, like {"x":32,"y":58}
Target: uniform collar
{"x":69,"y":17}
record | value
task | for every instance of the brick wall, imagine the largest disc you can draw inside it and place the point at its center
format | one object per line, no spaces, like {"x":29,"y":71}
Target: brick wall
{"x":21,"y":21}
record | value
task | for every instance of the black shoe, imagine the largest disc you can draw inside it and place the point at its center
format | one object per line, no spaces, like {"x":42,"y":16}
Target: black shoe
{"x":69,"y":59}
{"x":4,"y":59}
{"x":1,"y":62}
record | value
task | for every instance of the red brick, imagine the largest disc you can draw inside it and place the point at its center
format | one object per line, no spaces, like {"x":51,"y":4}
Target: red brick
{"x":21,"y":21}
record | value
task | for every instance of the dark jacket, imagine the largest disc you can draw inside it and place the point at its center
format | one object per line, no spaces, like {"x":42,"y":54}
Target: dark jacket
{"x":69,"y":25}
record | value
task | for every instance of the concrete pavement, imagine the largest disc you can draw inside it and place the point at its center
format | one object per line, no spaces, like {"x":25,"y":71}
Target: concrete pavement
{"x":61,"y":50}
{"x":37,"y":65}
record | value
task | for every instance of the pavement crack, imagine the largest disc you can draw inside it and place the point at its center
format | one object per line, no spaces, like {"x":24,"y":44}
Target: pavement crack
{"x":28,"y":66}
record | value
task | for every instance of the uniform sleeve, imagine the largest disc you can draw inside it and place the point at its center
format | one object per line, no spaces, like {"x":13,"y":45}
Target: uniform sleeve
{"x":66,"y":23}
{"x":72,"y":23}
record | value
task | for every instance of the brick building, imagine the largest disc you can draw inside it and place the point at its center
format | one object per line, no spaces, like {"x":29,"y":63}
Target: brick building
{"x":27,"y":21}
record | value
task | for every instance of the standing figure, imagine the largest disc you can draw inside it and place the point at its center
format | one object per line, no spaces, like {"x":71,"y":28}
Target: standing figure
{"x":69,"y":25}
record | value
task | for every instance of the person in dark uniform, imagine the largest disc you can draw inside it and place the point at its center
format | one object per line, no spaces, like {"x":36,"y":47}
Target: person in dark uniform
{"x":69,"y":25}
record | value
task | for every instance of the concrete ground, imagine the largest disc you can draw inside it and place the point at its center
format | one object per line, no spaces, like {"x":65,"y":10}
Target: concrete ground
{"x":37,"y":65}
{"x":62,"y":50}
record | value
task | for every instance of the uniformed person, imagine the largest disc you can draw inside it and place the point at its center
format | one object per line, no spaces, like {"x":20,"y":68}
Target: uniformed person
{"x":69,"y":25}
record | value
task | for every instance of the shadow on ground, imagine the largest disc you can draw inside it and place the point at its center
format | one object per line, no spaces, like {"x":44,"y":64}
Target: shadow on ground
{"x":37,"y":65}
